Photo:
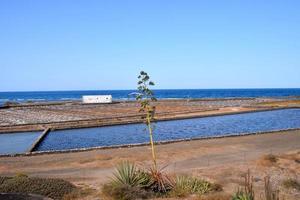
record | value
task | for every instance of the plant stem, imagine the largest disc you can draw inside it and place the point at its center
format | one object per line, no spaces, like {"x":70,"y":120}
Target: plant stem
{"x":151,"y":140}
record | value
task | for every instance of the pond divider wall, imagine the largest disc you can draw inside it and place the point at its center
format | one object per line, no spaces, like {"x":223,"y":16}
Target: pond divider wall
{"x":39,"y":140}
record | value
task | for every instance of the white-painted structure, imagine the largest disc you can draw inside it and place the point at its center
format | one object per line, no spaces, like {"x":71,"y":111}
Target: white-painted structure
{"x":97,"y":99}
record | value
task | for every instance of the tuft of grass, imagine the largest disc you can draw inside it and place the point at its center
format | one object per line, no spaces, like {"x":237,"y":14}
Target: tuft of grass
{"x":53,"y":188}
{"x":187,"y":185}
{"x":241,"y":195}
{"x":215,"y":196}
{"x":268,"y":160}
{"x":291,"y":184}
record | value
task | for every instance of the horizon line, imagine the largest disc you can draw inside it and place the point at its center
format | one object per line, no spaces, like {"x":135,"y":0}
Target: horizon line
{"x":75,"y":90}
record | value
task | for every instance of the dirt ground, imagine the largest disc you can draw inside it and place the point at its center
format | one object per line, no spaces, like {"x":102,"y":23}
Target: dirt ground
{"x":222,"y":160}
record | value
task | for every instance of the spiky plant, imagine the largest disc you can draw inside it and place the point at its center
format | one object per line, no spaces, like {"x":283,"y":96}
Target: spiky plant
{"x":186,"y":185}
{"x":241,"y":195}
{"x":160,"y":181}
{"x":146,"y":97}
{"x":128,"y":174}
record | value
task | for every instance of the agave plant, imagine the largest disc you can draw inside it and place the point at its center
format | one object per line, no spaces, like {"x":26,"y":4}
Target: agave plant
{"x":161,"y":182}
{"x":145,"y":97}
{"x":128,"y":174}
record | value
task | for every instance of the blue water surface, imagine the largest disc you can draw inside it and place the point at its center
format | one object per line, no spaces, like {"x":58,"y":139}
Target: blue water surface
{"x":12,"y":143}
{"x":161,"y":94}
{"x":173,"y":130}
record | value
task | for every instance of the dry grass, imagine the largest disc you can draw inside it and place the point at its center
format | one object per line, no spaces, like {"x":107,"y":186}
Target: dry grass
{"x":292,"y":156}
{"x":291,"y":184}
{"x":268,"y":160}
{"x":80,"y":194}
{"x":215,"y":196}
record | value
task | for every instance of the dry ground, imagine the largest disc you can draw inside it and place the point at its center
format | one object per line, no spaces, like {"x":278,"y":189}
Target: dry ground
{"x":222,"y":160}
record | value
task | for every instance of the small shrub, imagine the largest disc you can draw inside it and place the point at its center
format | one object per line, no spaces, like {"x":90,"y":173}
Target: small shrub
{"x":79,"y":193}
{"x":247,"y":192}
{"x":125,"y":192}
{"x":21,"y":175}
{"x":53,"y":188}
{"x":291,"y":184}
{"x":241,"y":195}
{"x":160,"y":182}
{"x":3,"y":179}
{"x":270,"y":157}
{"x":186,"y":185}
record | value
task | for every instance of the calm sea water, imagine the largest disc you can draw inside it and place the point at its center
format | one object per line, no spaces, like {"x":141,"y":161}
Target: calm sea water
{"x":124,"y":94}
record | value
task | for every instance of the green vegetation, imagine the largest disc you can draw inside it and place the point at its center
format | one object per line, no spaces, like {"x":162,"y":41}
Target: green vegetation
{"x":247,"y":192}
{"x":128,"y":174}
{"x":53,"y":188}
{"x":186,"y":185}
{"x":129,"y":182}
{"x":240,"y":195}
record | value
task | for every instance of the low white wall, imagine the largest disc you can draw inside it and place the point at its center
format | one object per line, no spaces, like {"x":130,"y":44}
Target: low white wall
{"x":97,"y":99}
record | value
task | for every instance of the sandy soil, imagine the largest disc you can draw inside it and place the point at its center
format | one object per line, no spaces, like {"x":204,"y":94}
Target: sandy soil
{"x":222,"y":160}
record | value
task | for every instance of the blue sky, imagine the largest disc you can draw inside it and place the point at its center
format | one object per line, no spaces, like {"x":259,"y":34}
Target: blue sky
{"x":78,"y":45}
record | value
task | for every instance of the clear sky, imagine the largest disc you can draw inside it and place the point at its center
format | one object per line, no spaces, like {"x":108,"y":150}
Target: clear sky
{"x":103,"y":44}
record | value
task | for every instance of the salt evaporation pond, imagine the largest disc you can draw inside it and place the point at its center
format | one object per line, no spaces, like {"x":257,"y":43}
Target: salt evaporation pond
{"x":165,"y":130}
{"x":173,"y":130}
{"x":11,"y":143}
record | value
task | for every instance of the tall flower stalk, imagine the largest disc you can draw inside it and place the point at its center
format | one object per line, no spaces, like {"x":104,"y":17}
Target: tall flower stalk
{"x":146,"y":98}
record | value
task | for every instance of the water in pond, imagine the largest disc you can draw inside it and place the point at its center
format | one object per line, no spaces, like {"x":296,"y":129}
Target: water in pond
{"x":172,"y":130}
{"x":12,"y":143}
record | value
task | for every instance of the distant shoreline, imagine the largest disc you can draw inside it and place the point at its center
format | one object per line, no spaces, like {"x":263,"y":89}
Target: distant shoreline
{"x":122,"y":95}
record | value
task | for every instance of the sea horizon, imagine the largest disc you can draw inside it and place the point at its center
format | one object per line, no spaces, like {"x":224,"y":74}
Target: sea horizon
{"x":69,"y":95}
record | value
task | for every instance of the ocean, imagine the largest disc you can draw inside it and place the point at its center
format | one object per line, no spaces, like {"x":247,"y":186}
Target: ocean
{"x":160,"y":94}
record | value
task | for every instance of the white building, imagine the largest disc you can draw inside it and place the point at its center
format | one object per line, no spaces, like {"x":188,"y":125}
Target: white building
{"x":97,"y":99}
